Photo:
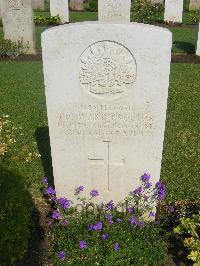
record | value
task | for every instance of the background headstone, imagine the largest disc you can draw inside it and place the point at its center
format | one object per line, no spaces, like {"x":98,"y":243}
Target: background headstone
{"x":61,"y":8}
{"x":77,"y":5}
{"x":18,"y":25}
{"x":194,"y":5}
{"x":198,"y":43}
{"x":173,"y":11}
{"x":114,"y":10}
{"x":157,"y":1}
{"x":0,"y":9}
{"x":106,"y":92}
{"x":38,"y":4}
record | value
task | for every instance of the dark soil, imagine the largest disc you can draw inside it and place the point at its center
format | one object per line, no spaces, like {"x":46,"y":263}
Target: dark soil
{"x":179,"y":25}
{"x":188,"y":59}
{"x":31,"y":57}
{"x":39,"y":247}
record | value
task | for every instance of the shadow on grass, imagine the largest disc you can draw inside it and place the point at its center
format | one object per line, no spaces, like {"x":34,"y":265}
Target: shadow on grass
{"x":178,"y":252}
{"x":20,"y":232}
{"x":187,"y":47}
{"x":43,"y":142}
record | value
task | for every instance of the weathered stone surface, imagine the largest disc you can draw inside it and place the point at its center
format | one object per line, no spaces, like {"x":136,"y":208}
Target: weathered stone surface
{"x":173,"y":11}
{"x":114,"y":10}
{"x":18,"y":25}
{"x":61,"y":8}
{"x":194,"y":5}
{"x":106,"y":94}
{"x":198,"y":43}
{"x":38,"y":4}
{"x":76,"y":5}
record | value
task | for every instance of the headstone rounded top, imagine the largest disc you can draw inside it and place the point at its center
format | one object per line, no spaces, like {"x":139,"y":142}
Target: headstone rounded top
{"x":133,"y":25}
{"x":107,"y":69}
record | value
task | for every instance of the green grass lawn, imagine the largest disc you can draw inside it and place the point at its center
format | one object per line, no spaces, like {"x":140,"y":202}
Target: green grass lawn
{"x":184,"y":39}
{"x":22,"y":94}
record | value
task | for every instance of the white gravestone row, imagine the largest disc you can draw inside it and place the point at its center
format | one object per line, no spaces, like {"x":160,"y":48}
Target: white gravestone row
{"x":173,"y":11}
{"x":60,"y":7}
{"x":194,"y":5}
{"x":106,"y":92}
{"x":38,"y":4}
{"x":198,"y":42}
{"x":18,"y":25}
{"x":77,"y":5}
{"x":114,"y":10}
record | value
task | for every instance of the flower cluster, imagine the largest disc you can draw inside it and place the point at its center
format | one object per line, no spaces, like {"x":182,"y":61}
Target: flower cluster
{"x":95,"y":227}
{"x":106,"y":216}
{"x":160,"y":190}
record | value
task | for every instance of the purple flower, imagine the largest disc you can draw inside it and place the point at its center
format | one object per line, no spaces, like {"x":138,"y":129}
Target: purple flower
{"x":145,"y":177}
{"x":79,"y":189}
{"x":159,"y":184}
{"x":100,"y":206}
{"x":94,"y":193}
{"x":83,"y":244}
{"x":116,"y":247}
{"x":105,"y":236}
{"x":44,"y":180}
{"x":62,"y":255}
{"x":152,"y":214}
{"x":50,"y":191}
{"x":96,"y":227}
{"x":170,"y":209}
{"x":138,"y":191}
{"x":130,"y":210}
{"x":109,"y":216}
{"x":55,"y":215}
{"x":90,"y":227}
{"x":64,"y":203}
{"x":148,"y":184}
{"x":119,"y":220}
{"x":110,"y":205}
{"x":133,"y":220}
{"x":141,"y":224}
{"x":49,"y":223}
{"x":65,"y":222}
{"x":160,"y":190}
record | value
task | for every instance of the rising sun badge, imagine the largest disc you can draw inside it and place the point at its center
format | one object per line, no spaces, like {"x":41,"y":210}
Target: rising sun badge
{"x":107,"y":68}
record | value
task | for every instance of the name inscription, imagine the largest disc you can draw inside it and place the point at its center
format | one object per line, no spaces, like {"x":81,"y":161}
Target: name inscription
{"x":104,"y":121}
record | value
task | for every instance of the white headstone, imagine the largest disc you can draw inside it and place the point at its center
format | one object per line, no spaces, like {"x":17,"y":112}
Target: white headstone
{"x":194,"y":5}
{"x":198,"y":43}
{"x":106,"y":91}
{"x":60,"y":7}
{"x":18,"y":25}
{"x":114,"y":10}
{"x":76,"y":5}
{"x":157,"y":2}
{"x":38,"y":4}
{"x":173,"y":11}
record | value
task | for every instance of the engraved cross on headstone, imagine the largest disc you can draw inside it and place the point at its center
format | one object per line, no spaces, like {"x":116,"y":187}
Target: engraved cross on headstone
{"x":107,"y":164}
